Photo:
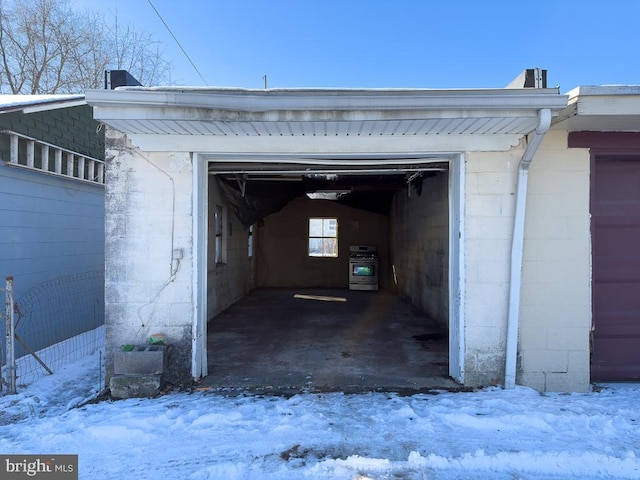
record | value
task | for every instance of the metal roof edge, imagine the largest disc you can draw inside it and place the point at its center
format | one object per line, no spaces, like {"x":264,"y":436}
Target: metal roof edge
{"x":319,"y":90}
{"x":36,"y":103}
{"x":323,"y":99}
{"x":581,"y":97}
{"x":603,"y":90}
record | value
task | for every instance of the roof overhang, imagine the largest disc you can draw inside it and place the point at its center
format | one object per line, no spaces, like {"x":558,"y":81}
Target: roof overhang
{"x":269,"y":116}
{"x":38,"y":103}
{"x":370,"y":142}
{"x":611,"y":108}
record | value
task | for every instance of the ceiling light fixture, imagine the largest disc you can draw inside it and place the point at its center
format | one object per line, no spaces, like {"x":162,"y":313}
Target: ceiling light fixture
{"x":327,"y":194}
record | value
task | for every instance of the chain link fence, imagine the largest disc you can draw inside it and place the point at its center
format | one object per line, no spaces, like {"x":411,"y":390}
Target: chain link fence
{"x":56,"y":322}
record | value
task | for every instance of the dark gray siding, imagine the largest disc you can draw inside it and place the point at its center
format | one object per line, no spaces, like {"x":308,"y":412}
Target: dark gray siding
{"x":72,"y":128}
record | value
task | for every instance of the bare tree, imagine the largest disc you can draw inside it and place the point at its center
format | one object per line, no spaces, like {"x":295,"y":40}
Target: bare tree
{"x":47,"y":47}
{"x":136,"y":51}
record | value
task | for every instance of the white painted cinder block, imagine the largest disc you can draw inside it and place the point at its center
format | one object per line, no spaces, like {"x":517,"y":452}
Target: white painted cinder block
{"x":486,"y":228}
{"x":556,"y":290}
{"x":555,"y":296}
{"x":489,"y":206}
{"x":147,"y":217}
{"x":547,"y":361}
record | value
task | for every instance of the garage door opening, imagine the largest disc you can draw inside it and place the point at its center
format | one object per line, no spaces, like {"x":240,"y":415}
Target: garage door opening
{"x":281,"y":313}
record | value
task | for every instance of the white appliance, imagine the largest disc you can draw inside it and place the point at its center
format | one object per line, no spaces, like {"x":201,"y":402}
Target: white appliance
{"x":363,"y":267}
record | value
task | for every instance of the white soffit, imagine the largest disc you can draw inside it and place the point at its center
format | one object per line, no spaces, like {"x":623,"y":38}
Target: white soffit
{"x":320,"y":112}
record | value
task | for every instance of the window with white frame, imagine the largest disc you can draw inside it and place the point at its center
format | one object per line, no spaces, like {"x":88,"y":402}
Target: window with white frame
{"x":323,"y":237}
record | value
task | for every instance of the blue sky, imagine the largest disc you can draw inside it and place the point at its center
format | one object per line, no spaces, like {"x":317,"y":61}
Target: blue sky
{"x":394,"y":44}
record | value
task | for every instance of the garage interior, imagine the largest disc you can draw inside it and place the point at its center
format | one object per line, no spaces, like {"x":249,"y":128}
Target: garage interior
{"x":284,"y":319}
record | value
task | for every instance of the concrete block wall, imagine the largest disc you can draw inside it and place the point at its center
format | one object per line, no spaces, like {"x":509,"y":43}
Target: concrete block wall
{"x":555,"y":311}
{"x":230,"y":281}
{"x":489,"y":207}
{"x":148,"y":224}
{"x":419,"y":230}
{"x":556,"y":294}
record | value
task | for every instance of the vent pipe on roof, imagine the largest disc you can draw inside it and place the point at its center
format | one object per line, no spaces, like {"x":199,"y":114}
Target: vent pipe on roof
{"x":119,"y":78}
{"x":517,"y":246}
{"x":530,"y":78}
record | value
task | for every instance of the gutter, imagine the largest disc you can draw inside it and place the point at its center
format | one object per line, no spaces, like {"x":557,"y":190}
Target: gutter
{"x":517,"y":246}
{"x":411,"y":102}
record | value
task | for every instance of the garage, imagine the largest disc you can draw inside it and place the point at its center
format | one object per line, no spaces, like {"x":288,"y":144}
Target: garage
{"x":217,"y":193}
{"x":347,"y":274}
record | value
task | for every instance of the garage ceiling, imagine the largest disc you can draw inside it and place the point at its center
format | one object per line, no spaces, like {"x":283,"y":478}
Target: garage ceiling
{"x":365,"y":183}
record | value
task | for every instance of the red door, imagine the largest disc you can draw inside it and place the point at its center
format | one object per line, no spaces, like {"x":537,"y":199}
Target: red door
{"x":615,"y":208}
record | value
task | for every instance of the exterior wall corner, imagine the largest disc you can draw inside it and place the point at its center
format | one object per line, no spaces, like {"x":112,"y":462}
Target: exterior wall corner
{"x":148,"y":268}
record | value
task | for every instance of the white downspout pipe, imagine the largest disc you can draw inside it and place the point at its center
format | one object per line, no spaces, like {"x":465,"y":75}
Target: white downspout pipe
{"x":517,"y":246}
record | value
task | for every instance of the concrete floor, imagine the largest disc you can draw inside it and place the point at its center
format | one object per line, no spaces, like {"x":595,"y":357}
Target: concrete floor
{"x":326,"y":340}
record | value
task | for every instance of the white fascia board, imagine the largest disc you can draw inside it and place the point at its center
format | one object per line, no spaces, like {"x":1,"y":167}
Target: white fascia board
{"x":39,"y":103}
{"x":311,"y":100}
{"x":323,"y":145}
{"x":111,"y":113}
{"x":606,"y":100}
{"x":604,"y":90}
{"x":609,"y":105}
{"x":54,"y":106}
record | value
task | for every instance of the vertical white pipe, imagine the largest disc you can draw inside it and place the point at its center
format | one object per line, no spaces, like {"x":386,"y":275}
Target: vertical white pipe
{"x":517,"y":247}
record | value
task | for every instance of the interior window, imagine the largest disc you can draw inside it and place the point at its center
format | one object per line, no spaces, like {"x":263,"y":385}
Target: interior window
{"x":219,"y":246}
{"x":323,"y":237}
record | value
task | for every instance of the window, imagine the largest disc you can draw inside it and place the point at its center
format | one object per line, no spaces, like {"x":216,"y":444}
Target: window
{"x":323,"y":237}
{"x":250,"y":241}
{"x":220,"y":244}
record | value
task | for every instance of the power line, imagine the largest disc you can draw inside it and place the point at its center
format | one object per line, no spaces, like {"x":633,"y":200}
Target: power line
{"x":177,"y":42}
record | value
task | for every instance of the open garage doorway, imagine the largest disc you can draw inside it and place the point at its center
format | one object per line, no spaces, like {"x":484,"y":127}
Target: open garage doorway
{"x":280,"y":310}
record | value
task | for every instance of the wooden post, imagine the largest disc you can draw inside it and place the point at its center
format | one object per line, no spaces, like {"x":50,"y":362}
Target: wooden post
{"x":10,"y":332}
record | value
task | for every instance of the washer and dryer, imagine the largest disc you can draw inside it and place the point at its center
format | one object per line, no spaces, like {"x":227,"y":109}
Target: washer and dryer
{"x":363,"y":267}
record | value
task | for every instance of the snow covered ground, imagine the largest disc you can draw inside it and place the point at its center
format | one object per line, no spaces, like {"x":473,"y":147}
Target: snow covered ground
{"x":490,"y":434}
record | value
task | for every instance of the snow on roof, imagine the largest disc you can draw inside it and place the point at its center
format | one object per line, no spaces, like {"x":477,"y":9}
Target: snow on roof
{"x":10,"y":103}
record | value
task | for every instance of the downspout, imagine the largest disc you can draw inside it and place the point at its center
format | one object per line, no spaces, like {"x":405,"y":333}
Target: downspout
{"x":517,"y":246}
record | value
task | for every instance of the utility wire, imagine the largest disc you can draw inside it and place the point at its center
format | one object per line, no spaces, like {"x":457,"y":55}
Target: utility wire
{"x":177,"y":42}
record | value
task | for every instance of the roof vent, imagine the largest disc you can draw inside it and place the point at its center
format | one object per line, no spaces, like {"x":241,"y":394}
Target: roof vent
{"x":530,"y":78}
{"x":119,"y":78}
